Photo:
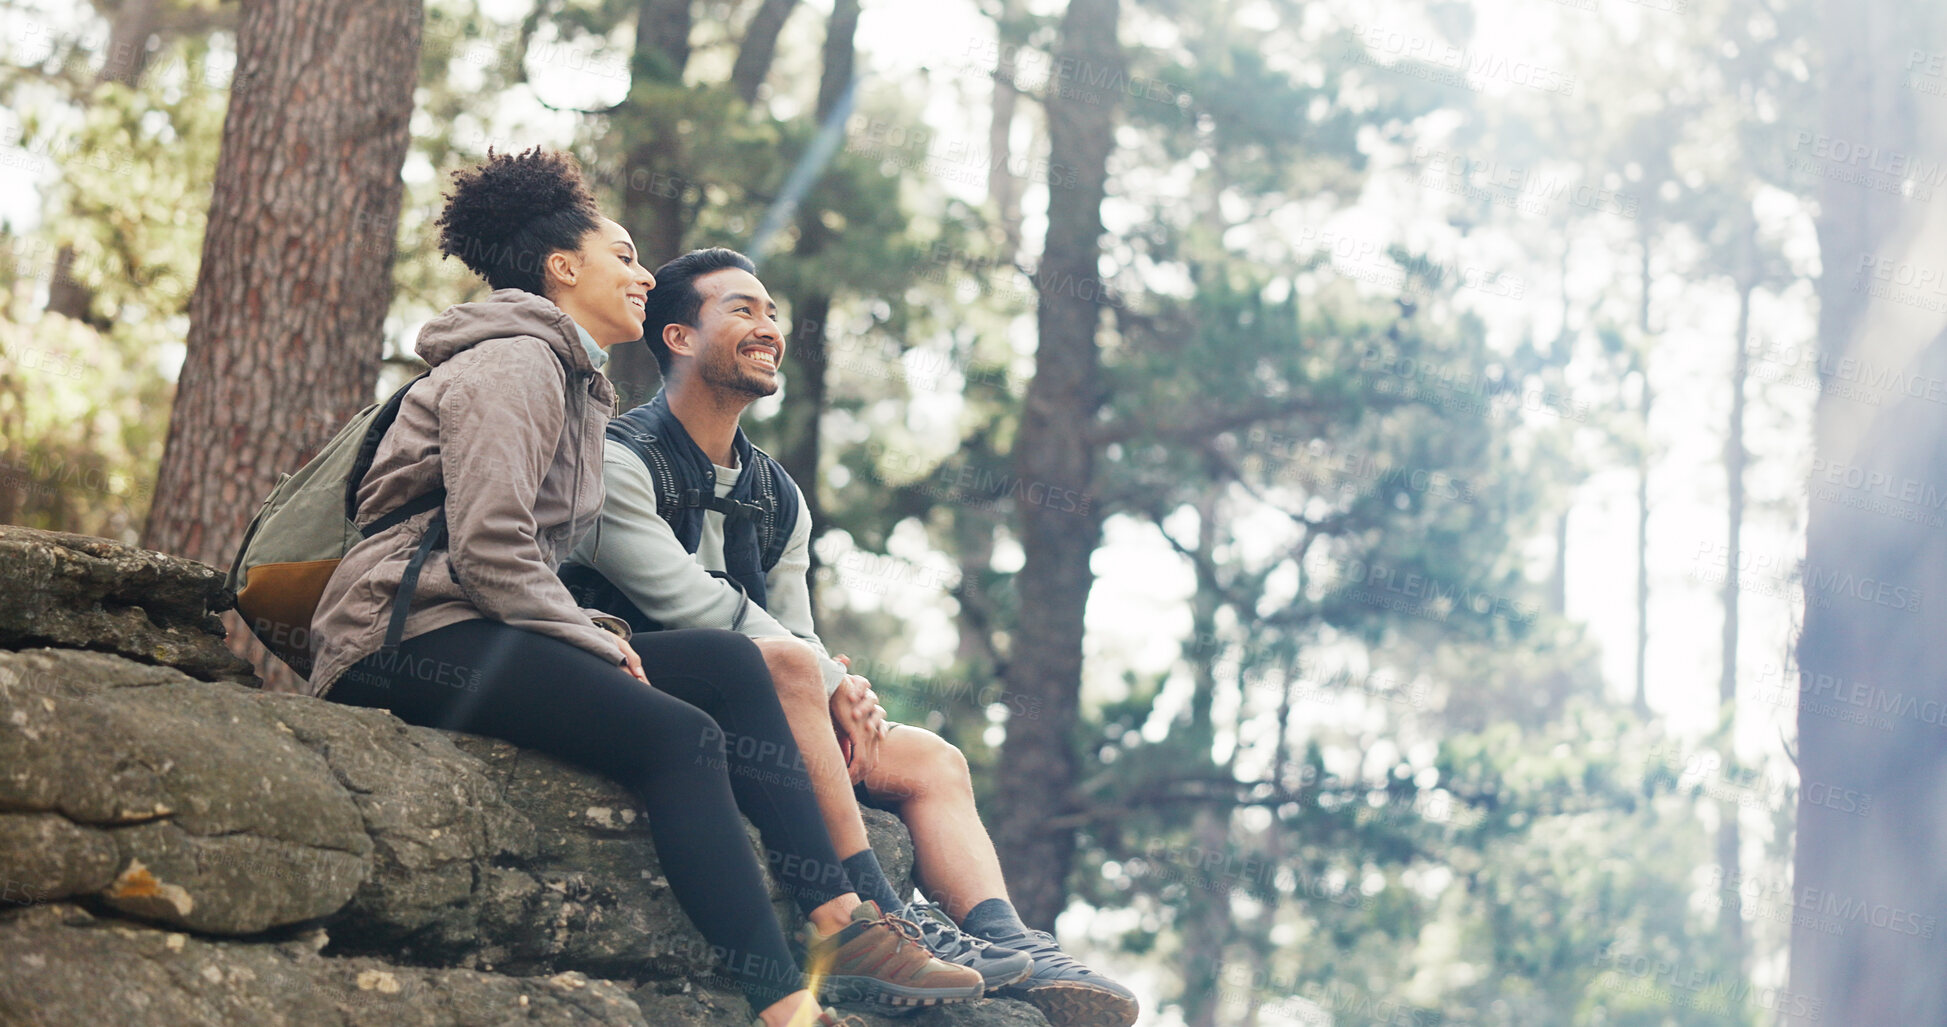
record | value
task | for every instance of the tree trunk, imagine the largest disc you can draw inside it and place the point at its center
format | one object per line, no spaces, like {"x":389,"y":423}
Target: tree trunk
{"x":123,"y":62}
{"x":1642,"y":701}
{"x":1730,"y":918}
{"x":654,"y":213}
{"x":804,"y":411}
{"x":285,"y":325}
{"x":841,"y":56}
{"x":1206,"y":926}
{"x":804,"y":448}
{"x":1872,"y":794}
{"x":1003,"y":189}
{"x":1053,"y":455}
{"x":662,"y":39}
{"x":759,"y":48}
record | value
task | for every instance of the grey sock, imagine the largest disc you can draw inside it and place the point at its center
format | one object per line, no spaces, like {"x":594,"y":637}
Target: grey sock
{"x":863,"y":868}
{"x":994,"y":919}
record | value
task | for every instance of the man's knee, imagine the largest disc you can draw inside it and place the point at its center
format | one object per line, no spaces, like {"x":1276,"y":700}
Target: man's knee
{"x":794,"y":669}
{"x":928,"y":765}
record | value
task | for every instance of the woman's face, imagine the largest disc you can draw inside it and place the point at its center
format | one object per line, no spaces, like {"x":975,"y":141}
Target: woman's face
{"x":603,"y":286}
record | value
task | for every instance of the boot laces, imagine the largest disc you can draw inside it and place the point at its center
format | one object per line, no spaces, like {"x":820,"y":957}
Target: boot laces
{"x":941,"y":932}
{"x":904,"y":928}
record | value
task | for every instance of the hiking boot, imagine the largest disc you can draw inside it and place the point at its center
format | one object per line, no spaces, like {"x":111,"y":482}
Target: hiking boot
{"x":880,"y":958}
{"x":998,"y":966}
{"x":812,"y":1016}
{"x":1068,"y":993}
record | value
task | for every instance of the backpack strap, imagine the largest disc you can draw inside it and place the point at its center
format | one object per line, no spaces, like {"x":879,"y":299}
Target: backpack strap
{"x":402,"y":603}
{"x":418,"y":504}
{"x":368,"y":448}
{"x":777,"y":509}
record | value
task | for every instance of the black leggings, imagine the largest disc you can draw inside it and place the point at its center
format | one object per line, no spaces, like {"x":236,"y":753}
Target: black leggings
{"x":708,"y":738}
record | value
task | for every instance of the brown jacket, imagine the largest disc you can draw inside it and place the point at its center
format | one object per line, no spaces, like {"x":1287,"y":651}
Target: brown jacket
{"x":511,"y":420}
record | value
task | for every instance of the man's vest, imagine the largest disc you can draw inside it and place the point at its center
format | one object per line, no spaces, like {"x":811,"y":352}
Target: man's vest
{"x":758,"y":514}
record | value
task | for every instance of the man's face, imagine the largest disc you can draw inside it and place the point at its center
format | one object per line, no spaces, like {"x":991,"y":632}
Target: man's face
{"x":737,"y":343}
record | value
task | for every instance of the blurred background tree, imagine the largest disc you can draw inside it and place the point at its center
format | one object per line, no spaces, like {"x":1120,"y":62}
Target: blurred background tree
{"x":1338,"y":470}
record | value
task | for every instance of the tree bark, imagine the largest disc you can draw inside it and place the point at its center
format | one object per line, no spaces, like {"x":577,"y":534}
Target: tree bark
{"x":662,"y":39}
{"x":1730,"y":919}
{"x":759,"y":48}
{"x":1642,"y":701}
{"x":286,"y":319}
{"x":123,"y":61}
{"x":1003,"y":189}
{"x":1872,"y":795}
{"x":804,"y":448}
{"x":1053,"y":454}
{"x":653,"y":205}
{"x":841,"y":56}
{"x":805,"y":409}
{"x":1206,"y":926}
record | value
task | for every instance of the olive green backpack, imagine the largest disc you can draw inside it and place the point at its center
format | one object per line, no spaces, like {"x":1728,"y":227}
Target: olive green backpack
{"x":308,"y":525}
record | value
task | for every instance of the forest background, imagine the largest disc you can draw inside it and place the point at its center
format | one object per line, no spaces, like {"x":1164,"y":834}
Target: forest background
{"x":1350,"y":475}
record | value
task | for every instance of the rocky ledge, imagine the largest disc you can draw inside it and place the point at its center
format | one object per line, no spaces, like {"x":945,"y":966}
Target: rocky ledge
{"x":178,"y":847}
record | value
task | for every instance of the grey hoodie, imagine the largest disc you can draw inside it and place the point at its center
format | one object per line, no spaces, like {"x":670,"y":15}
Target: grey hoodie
{"x":511,"y":420}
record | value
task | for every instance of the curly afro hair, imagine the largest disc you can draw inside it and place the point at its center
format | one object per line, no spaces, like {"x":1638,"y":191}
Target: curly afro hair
{"x":507,"y":213}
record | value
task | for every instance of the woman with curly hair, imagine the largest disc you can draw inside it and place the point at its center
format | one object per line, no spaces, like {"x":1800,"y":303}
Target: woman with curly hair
{"x":509,"y":422}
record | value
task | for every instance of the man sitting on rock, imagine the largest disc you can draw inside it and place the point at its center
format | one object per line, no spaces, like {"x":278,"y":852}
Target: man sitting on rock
{"x":701,"y":529}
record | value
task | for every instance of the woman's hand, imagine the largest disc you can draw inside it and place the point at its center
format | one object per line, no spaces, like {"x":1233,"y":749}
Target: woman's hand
{"x":630,"y":661}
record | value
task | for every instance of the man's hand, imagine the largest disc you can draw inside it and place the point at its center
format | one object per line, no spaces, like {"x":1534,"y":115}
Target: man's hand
{"x":630,"y":661}
{"x":857,"y":716}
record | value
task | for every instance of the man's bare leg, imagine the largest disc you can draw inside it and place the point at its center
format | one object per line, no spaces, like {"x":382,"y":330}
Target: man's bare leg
{"x":927,"y":779}
{"x":800,"y":685}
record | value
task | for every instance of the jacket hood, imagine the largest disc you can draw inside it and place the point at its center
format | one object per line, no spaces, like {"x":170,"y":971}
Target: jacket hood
{"x":504,"y":314}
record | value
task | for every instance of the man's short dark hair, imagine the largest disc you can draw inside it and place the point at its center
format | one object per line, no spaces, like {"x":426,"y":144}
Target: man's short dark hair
{"x":675,"y":301}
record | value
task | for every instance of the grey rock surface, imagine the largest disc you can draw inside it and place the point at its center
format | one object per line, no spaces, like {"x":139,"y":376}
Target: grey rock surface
{"x":219,"y":818}
{"x":61,"y":966}
{"x":179,"y":848}
{"x":82,"y":592}
{"x":689,"y":1004}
